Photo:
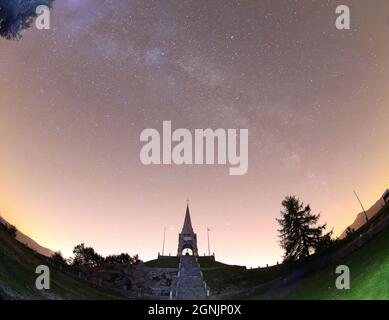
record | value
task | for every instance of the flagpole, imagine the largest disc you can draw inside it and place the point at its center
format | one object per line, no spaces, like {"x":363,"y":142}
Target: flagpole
{"x":360,"y":202}
{"x":163,"y":245}
{"x":209,"y":248}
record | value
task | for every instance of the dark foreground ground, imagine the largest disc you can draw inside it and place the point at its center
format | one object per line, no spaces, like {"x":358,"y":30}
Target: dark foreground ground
{"x":369,"y":266}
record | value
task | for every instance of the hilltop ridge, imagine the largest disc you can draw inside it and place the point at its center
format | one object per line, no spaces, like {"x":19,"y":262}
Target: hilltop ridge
{"x":21,"y":237}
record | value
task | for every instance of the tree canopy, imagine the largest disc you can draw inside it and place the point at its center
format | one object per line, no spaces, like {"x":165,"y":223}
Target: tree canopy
{"x":17,"y":15}
{"x":300,"y":235}
{"x":87,"y":256}
{"x":123,"y":258}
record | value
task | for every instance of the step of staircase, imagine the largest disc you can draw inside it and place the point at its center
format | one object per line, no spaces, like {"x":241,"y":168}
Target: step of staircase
{"x":190,"y":281}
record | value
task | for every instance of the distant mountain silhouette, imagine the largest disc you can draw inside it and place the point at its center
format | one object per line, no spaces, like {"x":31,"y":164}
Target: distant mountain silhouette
{"x":360,"y":220}
{"x":21,"y":237}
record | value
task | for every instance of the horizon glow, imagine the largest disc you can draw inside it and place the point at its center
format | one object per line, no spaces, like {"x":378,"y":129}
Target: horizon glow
{"x":74,"y":100}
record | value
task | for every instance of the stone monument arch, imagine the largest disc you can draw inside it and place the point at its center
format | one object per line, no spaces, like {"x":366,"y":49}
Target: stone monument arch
{"x":187,"y":239}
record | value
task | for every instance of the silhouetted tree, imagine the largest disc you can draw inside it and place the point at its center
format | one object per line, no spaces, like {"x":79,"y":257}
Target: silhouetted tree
{"x":324,"y":242}
{"x":3,"y":224}
{"x":17,"y":15}
{"x":123,"y":258}
{"x":86,"y":256}
{"x":58,"y":258}
{"x":299,"y":233}
{"x":135,"y":259}
{"x":11,"y":230}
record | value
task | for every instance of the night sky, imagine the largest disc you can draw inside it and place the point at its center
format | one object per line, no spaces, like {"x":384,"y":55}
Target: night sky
{"x":74,"y":99}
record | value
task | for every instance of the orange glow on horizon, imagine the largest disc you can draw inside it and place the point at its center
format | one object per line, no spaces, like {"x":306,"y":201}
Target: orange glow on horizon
{"x":74,"y":100}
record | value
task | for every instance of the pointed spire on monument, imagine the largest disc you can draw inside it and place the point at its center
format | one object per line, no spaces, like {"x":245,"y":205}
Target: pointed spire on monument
{"x":187,"y":228}
{"x":187,"y":239}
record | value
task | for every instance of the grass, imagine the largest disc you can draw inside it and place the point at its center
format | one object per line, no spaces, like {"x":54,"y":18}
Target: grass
{"x":171,"y":262}
{"x":369,"y":267}
{"x":206,"y":262}
{"x":17,"y":275}
{"x":369,"y":275}
{"x":232,"y":278}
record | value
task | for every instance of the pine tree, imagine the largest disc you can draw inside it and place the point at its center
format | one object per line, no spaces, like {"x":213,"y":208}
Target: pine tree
{"x":300,"y":235}
{"x":16,"y":15}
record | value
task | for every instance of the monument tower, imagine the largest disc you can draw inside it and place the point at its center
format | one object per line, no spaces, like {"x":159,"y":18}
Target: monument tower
{"x":187,"y":239}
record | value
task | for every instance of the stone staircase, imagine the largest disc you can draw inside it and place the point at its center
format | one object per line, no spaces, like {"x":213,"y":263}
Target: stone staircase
{"x":190,"y":283}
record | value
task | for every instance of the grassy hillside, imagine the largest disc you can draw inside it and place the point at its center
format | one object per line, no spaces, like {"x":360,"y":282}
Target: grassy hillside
{"x":206,"y":262}
{"x":173,"y":262}
{"x":17,"y":276}
{"x":369,"y":266}
{"x":21,"y":237}
{"x":236,"y":278}
{"x":369,"y":272}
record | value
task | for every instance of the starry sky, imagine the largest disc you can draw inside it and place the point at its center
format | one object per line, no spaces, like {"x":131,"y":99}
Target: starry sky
{"x":74,"y":99}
